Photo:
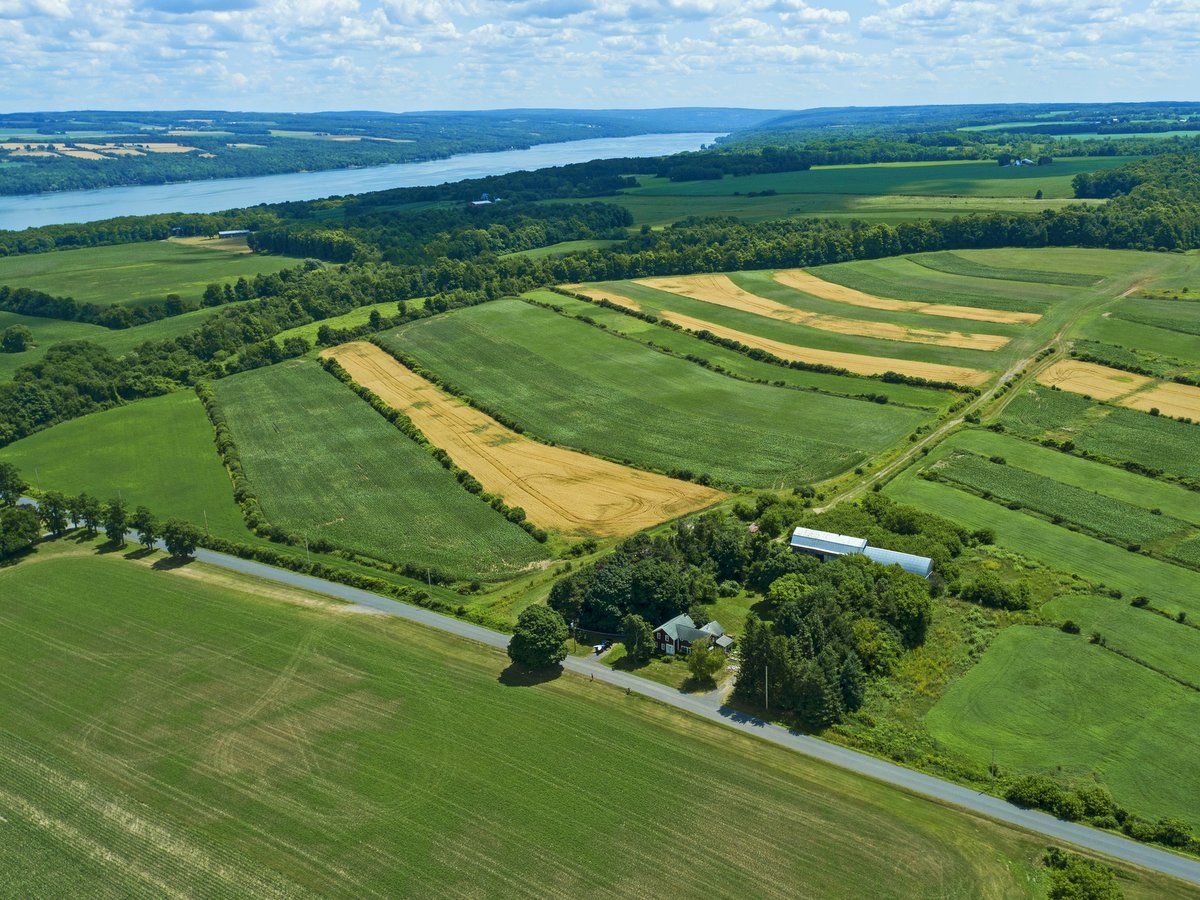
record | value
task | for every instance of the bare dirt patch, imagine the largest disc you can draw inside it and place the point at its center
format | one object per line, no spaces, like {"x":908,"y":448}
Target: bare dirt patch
{"x":828,"y":290}
{"x":1099,"y":382}
{"x":852,"y":362}
{"x":1169,"y":398}
{"x":558,"y":488}
{"x":719,"y":290}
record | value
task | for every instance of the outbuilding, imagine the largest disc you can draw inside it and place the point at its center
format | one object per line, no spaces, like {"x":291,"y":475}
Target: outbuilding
{"x":826,"y":545}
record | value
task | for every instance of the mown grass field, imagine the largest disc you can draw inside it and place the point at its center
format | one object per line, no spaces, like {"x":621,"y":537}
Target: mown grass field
{"x":134,"y":274}
{"x":1053,"y":702}
{"x":325,"y":464}
{"x":186,"y":729}
{"x":568,"y":382}
{"x":157,"y":452}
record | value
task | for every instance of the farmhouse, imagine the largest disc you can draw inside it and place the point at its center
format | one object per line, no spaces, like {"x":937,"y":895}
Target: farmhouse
{"x":678,"y":635}
{"x":825,"y":545}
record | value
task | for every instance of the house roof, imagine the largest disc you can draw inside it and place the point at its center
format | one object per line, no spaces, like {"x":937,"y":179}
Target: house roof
{"x":826,"y":542}
{"x":909,"y":562}
{"x":683,"y":628}
{"x":724,"y":642}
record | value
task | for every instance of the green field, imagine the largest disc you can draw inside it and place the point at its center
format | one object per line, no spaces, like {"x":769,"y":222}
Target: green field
{"x":685,"y":344}
{"x":1121,"y":434}
{"x":958,"y":264}
{"x":117,"y":341}
{"x":1170,"y":587}
{"x":188,"y":729}
{"x":158,"y":453}
{"x":134,"y":274}
{"x":882,"y":192}
{"x":358,"y":316}
{"x":325,"y":464}
{"x":1051,"y":702}
{"x":45,"y":333}
{"x":1118,"y":520}
{"x":568,"y":382}
{"x":562,"y":248}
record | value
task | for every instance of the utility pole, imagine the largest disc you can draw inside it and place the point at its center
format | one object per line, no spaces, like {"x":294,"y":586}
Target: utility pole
{"x":307,"y":555}
{"x":574,"y":639}
{"x":205,"y":521}
{"x":992,"y":767}
{"x":766,"y":690}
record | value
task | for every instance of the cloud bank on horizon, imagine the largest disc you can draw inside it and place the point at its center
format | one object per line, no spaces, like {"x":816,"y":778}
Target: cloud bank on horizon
{"x":470,"y":54}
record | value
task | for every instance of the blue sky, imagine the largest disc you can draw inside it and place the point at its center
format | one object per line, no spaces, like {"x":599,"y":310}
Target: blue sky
{"x":474,"y":54}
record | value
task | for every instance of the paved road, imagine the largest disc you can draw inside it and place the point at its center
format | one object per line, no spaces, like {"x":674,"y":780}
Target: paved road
{"x":709,"y":706}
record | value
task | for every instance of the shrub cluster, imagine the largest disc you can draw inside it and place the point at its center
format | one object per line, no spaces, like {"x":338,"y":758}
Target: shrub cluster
{"x":1095,"y":806}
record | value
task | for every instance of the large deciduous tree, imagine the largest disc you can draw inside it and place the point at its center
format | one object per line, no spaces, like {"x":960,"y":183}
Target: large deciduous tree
{"x":180,"y":537}
{"x":540,"y":638}
{"x":12,"y":485}
{"x":638,"y":637}
{"x":116,"y":521}
{"x":19,"y":528}
{"x":146,"y":526}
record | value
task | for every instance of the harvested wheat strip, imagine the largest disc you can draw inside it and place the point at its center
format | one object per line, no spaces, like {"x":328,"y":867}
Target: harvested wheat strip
{"x":558,"y":488}
{"x":719,"y":290}
{"x":828,"y":290}
{"x":1169,"y":398}
{"x":851,"y":362}
{"x":1099,"y":382}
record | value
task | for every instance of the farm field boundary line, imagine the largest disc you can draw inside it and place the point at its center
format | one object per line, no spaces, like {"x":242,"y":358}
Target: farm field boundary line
{"x":829,"y":290}
{"x":558,"y":488}
{"x":709,"y":708}
{"x":721,"y":291}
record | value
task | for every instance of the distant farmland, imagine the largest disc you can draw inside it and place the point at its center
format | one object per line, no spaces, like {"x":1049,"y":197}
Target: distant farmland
{"x":134,"y":274}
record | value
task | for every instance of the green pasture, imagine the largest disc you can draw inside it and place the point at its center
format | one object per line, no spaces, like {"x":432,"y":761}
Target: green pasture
{"x":1170,"y":587}
{"x":1120,"y":434}
{"x":1168,"y":646}
{"x":1169,"y":343}
{"x":1173,"y":315}
{"x":1045,"y":701}
{"x":1066,"y":469}
{"x":655,"y":301}
{"x":358,"y":316}
{"x":892,"y":209}
{"x":562,"y":248}
{"x":686,"y":344}
{"x":134,"y":274}
{"x":568,"y":382}
{"x":926,"y":179}
{"x":325,"y":464}
{"x":1129,"y":524}
{"x":46,"y":332}
{"x":200,"y":731}
{"x":117,"y":341}
{"x":957,"y":264}
{"x":157,"y":453}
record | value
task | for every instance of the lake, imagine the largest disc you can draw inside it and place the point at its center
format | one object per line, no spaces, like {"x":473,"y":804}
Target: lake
{"x":29,"y":210}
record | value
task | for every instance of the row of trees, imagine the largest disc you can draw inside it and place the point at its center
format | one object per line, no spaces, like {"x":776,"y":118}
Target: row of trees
{"x":58,"y":513}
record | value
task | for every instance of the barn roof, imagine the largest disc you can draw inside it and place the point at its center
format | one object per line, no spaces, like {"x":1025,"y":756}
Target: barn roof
{"x":826,"y":541}
{"x":909,"y":562}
